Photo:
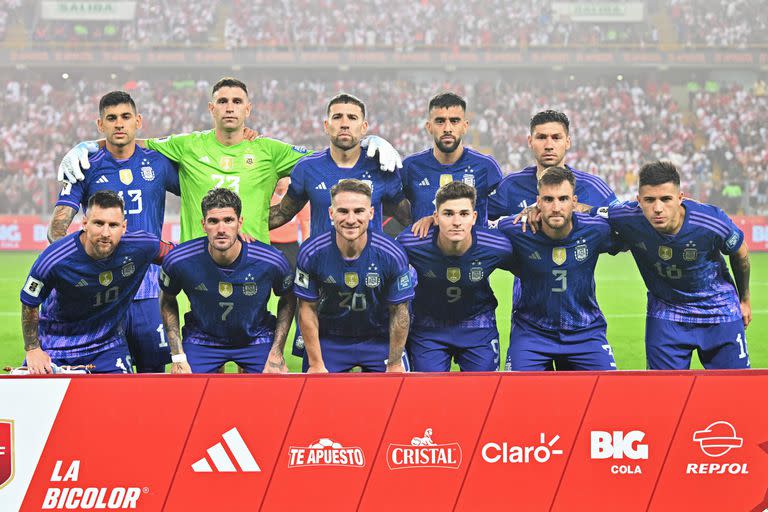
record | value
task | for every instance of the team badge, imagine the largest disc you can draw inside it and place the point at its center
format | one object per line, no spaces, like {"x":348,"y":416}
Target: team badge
{"x":128,"y":269}
{"x":249,"y":160}
{"x":350,"y":279}
{"x":225,"y":289}
{"x":105,"y":278}
{"x":250,"y":289}
{"x":226,"y":163}
{"x":372,"y":280}
{"x":559,"y":255}
{"x":469,"y":179}
{"x":475,"y":274}
{"x":126,"y":176}
{"x":148,"y":173}
{"x":690,"y":254}
{"x":453,"y":274}
{"x":665,"y":252}
{"x":582,"y":252}
{"x":445,"y":179}
{"x":7,"y":465}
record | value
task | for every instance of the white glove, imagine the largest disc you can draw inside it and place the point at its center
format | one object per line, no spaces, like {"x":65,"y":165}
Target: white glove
{"x":75,"y":159}
{"x":389,"y":158}
{"x":494,"y":224}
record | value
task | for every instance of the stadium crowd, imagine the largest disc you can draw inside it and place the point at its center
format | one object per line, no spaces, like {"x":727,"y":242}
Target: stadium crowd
{"x":615,"y":127}
{"x":720,"y":23}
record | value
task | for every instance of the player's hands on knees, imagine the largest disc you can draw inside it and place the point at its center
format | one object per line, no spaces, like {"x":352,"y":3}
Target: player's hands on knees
{"x":530,"y":216}
{"x":250,"y":134}
{"x":396,"y":367}
{"x":75,"y":160}
{"x":421,"y":227}
{"x":317,"y":368}
{"x":38,"y":362}
{"x":183,"y":367}
{"x":389,"y":158}
{"x":275,"y":363}
{"x":746,"y":313}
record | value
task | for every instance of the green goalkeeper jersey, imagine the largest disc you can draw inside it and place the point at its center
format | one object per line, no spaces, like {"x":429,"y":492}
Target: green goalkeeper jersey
{"x":250,"y":168}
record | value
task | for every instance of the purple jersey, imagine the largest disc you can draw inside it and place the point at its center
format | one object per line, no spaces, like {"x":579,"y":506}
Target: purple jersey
{"x":314,"y":175}
{"x":685,"y":273}
{"x":141,"y":181}
{"x":353,"y":295}
{"x":85,"y":301}
{"x":228,"y":305}
{"x":423,"y":175}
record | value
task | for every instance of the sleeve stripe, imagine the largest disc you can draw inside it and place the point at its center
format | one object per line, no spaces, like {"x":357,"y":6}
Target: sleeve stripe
{"x":398,"y":254}
{"x":712,"y":220}
{"x":711,"y":227}
{"x":304,"y":255}
{"x":596,"y":181}
{"x":54,"y":261}
{"x":304,"y":295}
{"x":312,"y":242}
{"x":258,"y":254}
{"x":182,"y":253}
{"x":50,"y":259}
{"x":71,"y":204}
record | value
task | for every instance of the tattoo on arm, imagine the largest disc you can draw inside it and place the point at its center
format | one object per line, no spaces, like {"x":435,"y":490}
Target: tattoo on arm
{"x":60,"y":220}
{"x":281,"y":213}
{"x":286,"y":308}
{"x":741,"y":267}
{"x":399,"y":322}
{"x":29,"y":323}
{"x":401,"y":212}
{"x":169,"y":309}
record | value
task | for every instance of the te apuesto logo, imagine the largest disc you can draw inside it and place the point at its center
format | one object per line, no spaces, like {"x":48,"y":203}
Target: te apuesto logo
{"x":423,"y":452}
{"x":325,"y":452}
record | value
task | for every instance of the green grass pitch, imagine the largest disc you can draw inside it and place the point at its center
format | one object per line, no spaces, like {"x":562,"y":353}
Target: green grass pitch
{"x":620,"y":292}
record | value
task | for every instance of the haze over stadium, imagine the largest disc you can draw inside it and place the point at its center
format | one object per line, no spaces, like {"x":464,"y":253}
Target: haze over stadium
{"x":682,"y":81}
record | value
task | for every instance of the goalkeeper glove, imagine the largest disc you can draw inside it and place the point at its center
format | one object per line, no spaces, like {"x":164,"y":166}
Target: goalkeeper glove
{"x":75,"y":159}
{"x":389,"y":158}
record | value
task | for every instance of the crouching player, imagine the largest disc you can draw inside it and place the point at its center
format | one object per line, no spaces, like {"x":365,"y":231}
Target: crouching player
{"x":85,"y":284}
{"x":455,"y":309}
{"x":228,"y":283}
{"x":557,"y":322}
{"x":353,"y":286}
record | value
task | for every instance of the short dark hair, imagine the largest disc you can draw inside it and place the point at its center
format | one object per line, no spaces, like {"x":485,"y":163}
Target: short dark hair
{"x":556,"y":176}
{"x":351,"y":185}
{"x":221,"y":198}
{"x":228,"y":81}
{"x":658,"y":173}
{"x":455,"y":190}
{"x":550,"y":116}
{"x":106,"y":199}
{"x":345,"y":98}
{"x":114,"y":98}
{"x":446,"y":100}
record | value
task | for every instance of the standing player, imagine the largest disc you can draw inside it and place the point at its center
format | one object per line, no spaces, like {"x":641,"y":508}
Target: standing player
{"x":353,"y":286}
{"x":693,"y":303}
{"x":86,"y":283}
{"x":140,"y":177}
{"x":289,"y":236}
{"x":448,"y":160}
{"x":557,"y":321}
{"x":455,"y":309}
{"x":228,"y":283}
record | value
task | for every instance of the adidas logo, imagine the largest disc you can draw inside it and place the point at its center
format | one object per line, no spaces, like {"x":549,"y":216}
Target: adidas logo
{"x":201,"y":287}
{"x":430,"y":274}
{"x":81,"y":283}
{"x":330,"y":280}
{"x":205,"y":159}
{"x":321,"y":186}
{"x":523,"y":205}
{"x":221,"y":460}
{"x":102,"y":179}
{"x":641,"y":245}
{"x":424,"y":182}
{"x":534,"y":256}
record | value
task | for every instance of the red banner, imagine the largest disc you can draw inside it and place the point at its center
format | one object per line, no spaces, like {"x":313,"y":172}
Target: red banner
{"x":755,"y":231}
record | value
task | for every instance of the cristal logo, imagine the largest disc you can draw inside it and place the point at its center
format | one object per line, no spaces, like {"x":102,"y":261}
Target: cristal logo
{"x":618,"y":445}
{"x":86,"y":498}
{"x":513,"y":454}
{"x":716,"y":440}
{"x":423,"y":452}
{"x":325,"y":452}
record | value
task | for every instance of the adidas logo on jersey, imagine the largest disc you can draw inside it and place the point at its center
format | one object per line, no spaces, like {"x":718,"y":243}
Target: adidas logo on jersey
{"x":641,"y":245}
{"x":205,"y":159}
{"x":534,"y":256}
{"x":102,"y":179}
{"x":321,"y":186}
{"x":201,"y":287}
{"x":430,"y":274}
{"x":81,"y":283}
{"x":221,"y":460}
{"x":330,"y":280}
{"x":424,"y":182}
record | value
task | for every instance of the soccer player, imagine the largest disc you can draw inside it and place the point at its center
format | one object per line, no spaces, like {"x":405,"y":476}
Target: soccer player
{"x":454,"y":308}
{"x":693,"y":303}
{"x":228,"y":283}
{"x":86,"y":283}
{"x":549,"y":140}
{"x":448,"y":160}
{"x":140,"y":177}
{"x":557,"y":322}
{"x":222,"y":157}
{"x":353,"y":286}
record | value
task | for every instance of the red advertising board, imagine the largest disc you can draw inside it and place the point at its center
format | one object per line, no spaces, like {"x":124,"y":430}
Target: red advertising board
{"x":755,"y":231}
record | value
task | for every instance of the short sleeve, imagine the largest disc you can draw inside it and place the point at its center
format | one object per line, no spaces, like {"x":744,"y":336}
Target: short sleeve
{"x":285,"y":156}
{"x":305,"y":282}
{"x":172,"y":147}
{"x":71,"y":195}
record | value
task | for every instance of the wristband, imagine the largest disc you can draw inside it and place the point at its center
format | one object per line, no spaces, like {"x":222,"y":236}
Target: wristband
{"x":179,"y":358}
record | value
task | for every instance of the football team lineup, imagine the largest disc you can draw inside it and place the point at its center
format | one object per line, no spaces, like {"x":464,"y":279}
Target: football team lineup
{"x":424,"y":301}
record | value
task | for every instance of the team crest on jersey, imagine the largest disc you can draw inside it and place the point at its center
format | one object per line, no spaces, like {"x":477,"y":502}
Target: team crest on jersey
{"x":665,"y":252}
{"x":126,"y":176}
{"x":469,"y":179}
{"x":372,"y":280}
{"x":7,"y":453}
{"x":128,"y":269}
{"x":445,"y":179}
{"x":690,"y":253}
{"x":351,"y":279}
{"x":148,"y":173}
{"x":105,"y":278}
{"x":475,"y":274}
{"x":249,"y":160}
{"x":582,"y":252}
{"x":250,"y":289}
{"x":559,"y":255}
{"x":227,"y":163}
{"x":225,"y":289}
{"x":453,"y":274}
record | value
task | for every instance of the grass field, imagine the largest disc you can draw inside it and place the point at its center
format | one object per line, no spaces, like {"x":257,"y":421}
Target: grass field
{"x":620,"y":292}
